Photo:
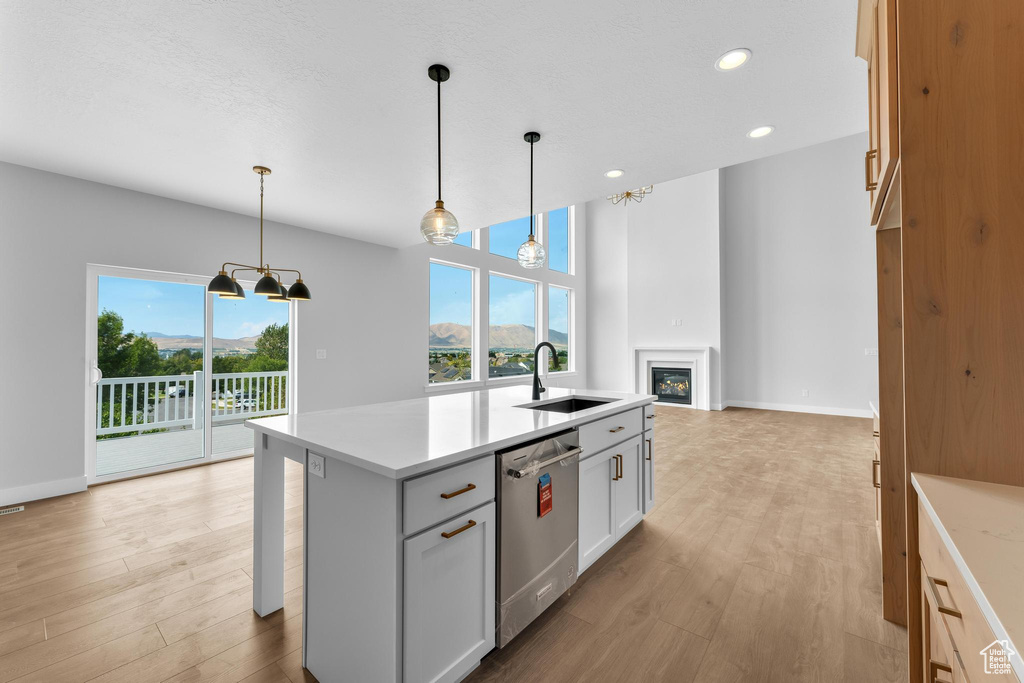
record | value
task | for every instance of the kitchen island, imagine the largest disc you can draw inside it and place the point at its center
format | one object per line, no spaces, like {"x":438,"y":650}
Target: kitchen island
{"x":400,"y":519}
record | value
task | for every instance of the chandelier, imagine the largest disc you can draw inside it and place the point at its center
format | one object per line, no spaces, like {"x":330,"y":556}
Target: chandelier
{"x":270,"y":284}
{"x":636,"y":195}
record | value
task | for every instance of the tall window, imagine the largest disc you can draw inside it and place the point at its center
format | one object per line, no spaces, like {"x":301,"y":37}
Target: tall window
{"x":464,"y":239}
{"x":558,"y":327}
{"x":505,"y":238}
{"x":513,"y":326}
{"x":558,"y":240}
{"x":450,"y":351}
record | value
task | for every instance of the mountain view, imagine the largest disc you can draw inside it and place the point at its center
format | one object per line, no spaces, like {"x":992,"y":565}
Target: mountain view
{"x":168,"y":343}
{"x":454,"y":336}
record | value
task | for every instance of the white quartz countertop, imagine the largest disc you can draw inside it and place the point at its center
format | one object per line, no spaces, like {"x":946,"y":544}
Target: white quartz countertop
{"x":405,"y":438}
{"x":982,"y":526}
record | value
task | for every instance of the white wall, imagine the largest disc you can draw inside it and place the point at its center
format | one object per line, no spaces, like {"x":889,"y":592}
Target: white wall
{"x":369,"y":308}
{"x":798,"y":301}
{"x":652,"y":263}
{"x":771,"y":263}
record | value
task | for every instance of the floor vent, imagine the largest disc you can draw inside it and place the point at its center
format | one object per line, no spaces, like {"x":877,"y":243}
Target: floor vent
{"x":11,"y":511}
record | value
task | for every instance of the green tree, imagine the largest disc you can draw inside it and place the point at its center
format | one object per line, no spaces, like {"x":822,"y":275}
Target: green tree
{"x":273,"y":343}
{"x":124,"y":355}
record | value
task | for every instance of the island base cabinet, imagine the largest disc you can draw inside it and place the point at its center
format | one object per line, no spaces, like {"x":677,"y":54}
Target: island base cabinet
{"x":449,"y":597}
{"x":610,"y":498}
{"x":596,"y":507}
{"x":648,"y":470}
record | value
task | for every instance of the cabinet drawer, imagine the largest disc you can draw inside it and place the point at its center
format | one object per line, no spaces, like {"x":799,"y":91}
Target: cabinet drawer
{"x":942,"y":583}
{"x":649,"y":416}
{"x":943,"y":663}
{"x":597,"y":436}
{"x":437,"y":496}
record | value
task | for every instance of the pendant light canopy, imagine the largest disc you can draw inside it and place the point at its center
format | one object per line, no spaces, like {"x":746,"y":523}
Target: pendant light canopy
{"x":439,"y":225}
{"x":227,"y":287}
{"x":531,"y":253}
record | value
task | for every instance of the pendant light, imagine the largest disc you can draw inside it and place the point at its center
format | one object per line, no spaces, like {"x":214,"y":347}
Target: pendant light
{"x":227,"y":287}
{"x":438,"y":225}
{"x":531,"y":252}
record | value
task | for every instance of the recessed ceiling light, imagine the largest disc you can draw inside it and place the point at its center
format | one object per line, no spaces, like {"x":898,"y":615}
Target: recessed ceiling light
{"x":733,"y":59}
{"x":614,"y":173}
{"x":760,"y":131}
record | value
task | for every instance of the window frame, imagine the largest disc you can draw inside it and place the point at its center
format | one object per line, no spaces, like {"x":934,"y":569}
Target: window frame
{"x":474,"y":289}
{"x":571,"y":324}
{"x":483,"y":264}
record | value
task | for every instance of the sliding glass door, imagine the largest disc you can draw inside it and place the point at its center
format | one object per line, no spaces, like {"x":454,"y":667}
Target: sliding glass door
{"x":174,"y":372}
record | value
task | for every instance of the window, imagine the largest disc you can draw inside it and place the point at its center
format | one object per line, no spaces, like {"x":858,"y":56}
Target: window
{"x":558,"y":327}
{"x":512,"y":332}
{"x":558,"y":240}
{"x":464,"y":239}
{"x":506,"y":238}
{"x":450,"y":349}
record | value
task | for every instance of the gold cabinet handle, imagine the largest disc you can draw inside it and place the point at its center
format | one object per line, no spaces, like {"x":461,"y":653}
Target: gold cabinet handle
{"x":876,"y":469}
{"x":650,"y":417}
{"x":935,"y":667}
{"x":619,"y":458}
{"x":868,"y":185}
{"x":617,"y":429}
{"x":649,"y":449}
{"x":469,"y":487}
{"x":469,"y":525}
{"x":939,"y":605}
{"x":616,"y":477}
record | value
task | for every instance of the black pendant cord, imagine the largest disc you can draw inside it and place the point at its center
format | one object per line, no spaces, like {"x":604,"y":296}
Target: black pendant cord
{"x":439,"y":140}
{"x":532,"y":217}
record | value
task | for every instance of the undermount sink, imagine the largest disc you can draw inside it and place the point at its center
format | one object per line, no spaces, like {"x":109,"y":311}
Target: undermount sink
{"x":573,"y":404}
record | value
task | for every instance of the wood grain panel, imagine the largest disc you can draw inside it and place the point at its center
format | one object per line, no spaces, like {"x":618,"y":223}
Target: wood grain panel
{"x":893,"y":472}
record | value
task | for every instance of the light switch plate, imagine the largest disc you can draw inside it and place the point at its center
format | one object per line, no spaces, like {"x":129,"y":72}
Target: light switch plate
{"x":321,"y":354}
{"x":316,"y":464}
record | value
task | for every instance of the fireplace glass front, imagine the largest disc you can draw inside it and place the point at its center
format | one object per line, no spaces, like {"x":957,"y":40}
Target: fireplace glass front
{"x":672,"y":385}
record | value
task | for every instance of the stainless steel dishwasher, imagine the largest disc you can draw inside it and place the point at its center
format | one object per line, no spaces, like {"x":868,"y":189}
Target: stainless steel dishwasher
{"x":538,"y":492}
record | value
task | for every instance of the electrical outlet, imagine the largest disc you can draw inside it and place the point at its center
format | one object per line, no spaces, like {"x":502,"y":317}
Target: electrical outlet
{"x":870,"y":352}
{"x":316,"y":465}
{"x":321,"y":354}
{"x":805,"y":393}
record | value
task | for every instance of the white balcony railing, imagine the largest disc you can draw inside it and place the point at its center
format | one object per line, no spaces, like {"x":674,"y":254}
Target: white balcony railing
{"x":140,"y":404}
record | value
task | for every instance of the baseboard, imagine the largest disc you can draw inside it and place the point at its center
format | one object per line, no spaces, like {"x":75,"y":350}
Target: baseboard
{"x":790,"y":408}
{"x":45,"y":489}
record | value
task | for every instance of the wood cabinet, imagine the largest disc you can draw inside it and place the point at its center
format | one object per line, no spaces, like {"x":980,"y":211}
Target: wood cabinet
{"x":876,"y":43}
{"x":449,"y":597}
{"x":610,"y":499}
{"x":945,"y":101}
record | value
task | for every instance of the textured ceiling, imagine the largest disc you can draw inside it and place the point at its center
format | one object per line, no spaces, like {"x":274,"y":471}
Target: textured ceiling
{"x":181,"y":97}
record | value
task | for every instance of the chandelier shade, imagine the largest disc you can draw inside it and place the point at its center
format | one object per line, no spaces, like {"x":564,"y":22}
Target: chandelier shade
{"x":299,"y":291}
{"x":269,"y":285}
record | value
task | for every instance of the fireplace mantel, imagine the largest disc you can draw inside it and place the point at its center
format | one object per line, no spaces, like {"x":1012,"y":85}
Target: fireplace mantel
{"x":695,"y":357}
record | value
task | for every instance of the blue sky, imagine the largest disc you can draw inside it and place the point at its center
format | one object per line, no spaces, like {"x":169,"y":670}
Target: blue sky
{"x":505,"y":238}
{"x":558,"y":309}
{"x":512,"y":301}
{"x":176,"y":309}
{"x":451,"y":295}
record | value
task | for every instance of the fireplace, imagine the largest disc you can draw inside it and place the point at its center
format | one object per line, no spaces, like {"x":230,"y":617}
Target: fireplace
{"x":672,"y":385}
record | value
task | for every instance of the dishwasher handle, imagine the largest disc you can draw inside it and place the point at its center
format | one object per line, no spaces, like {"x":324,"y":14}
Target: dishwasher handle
{"x":535,"y":467}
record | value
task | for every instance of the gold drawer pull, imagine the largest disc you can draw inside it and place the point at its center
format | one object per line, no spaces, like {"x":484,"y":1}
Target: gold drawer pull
{"x":650,"y":417}
{"x":469,"y":487}
{"x":649,"y":449}
{"x":939,"y":605}
{"x":469,"y":525}
{"x":875,"y":433}
{"x":935,"y":667}
{"x":618,"y":472}
{"x":876,"y":467}
{"x":868,"y":185}
{"x":617,"y":429}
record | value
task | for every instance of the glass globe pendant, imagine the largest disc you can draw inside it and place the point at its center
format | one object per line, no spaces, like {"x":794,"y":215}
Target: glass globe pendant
{"x":531,"y":252}
{"x":439,"y":226}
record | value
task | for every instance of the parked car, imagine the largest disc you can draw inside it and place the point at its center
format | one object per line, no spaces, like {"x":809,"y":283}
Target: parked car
{"x":248,"y":403}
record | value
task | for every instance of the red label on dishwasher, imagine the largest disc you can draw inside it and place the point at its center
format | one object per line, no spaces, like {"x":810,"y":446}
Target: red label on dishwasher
{"x":544,"y":494}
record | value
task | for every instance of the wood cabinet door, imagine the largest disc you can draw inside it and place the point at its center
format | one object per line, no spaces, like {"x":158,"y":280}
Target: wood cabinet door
{"x":449,"y":598}
{"x":648,"y":470}
{"x":596,"y":506}
{"x":871,"y":161}
{"x":629,"y":490}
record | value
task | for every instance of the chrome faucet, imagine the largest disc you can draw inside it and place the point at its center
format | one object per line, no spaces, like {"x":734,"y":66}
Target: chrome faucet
{"x":538,"y":388}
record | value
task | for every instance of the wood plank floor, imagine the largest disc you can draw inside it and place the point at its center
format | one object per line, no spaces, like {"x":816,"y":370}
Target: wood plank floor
{"x":759,"y":563}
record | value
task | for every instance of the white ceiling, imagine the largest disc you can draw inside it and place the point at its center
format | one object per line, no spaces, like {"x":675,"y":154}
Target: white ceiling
{"x":181,"y":97}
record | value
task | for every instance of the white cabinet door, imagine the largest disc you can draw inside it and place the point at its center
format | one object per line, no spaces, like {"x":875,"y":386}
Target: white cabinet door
{"x":648,"y":471}
{"x":629,"y":490}
{"x":449,"y":597}
{"x":596,"y":507}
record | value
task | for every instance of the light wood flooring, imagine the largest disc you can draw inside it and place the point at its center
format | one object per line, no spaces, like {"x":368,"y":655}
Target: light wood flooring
{"x":759,"y":563}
